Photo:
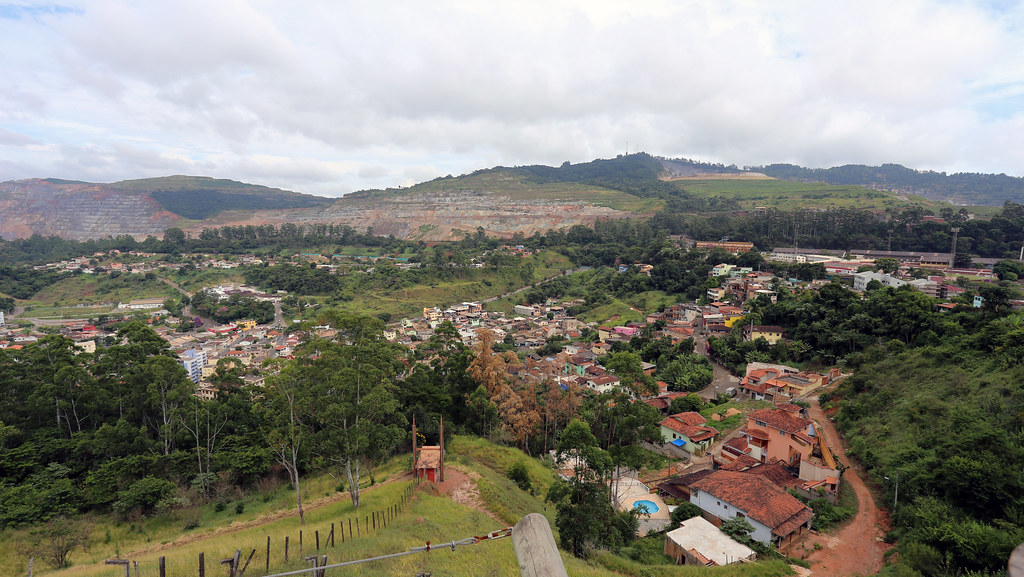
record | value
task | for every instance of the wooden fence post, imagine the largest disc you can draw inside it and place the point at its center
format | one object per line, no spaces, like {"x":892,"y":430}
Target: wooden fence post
{"x":300,"y":542}
{"x":331,"y":537}
{"x":247,"y":561}
{"x":374,"y":515}
{"x":357,"y":526}
{"x":286,"y":548}
{"x":202,"y":564}
{"x":350,"y":527}
{"x":317,"y":534}
{"x":267,"y":570}
{"x":341,"y":527}
{"x":535,"y":548}
{"x":163,"y":566}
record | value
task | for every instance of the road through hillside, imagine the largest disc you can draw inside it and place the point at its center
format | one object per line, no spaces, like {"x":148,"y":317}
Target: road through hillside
{"x":857,"y":548}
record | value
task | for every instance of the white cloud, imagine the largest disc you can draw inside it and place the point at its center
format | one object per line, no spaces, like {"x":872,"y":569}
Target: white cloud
{"x":333,"y":97}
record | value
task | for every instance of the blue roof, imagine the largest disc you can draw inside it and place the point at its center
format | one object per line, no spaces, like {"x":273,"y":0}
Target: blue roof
{"x":679,"y":442}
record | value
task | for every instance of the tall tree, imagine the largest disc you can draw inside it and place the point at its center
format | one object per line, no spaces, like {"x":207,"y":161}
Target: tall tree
{"x":283,"y":412}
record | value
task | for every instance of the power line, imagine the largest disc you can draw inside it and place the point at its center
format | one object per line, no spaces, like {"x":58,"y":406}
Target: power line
{"x":424,"y":548}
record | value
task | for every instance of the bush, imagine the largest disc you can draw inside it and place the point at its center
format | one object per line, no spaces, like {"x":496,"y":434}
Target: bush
{"x":143,"y":495}
{"x":518,"y":474}
{"x":239,"y":508}
{"x":220,"y":506}
{"x":682,"y":513}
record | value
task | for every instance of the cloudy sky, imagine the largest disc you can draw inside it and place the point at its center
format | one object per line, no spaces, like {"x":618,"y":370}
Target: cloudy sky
{"x":334,"y":96}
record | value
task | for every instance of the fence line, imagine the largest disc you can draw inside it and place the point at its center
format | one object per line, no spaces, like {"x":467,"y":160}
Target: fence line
{"x":375,"y":521}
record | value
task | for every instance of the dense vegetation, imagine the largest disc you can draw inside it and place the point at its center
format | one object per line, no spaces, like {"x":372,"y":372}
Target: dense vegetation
{"x":202,"y":197}
{"x":232,"y":308}
{"x":22,"y":283}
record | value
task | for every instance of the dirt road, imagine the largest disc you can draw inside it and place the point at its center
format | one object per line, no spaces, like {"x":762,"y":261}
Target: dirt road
{"x":857,"y":548}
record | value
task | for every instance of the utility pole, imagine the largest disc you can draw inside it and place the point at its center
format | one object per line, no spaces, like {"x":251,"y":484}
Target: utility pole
{"x":952,"y":256}
{"x":896,"y":497}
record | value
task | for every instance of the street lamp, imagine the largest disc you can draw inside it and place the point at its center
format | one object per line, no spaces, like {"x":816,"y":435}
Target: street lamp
{"x":896,"y":498}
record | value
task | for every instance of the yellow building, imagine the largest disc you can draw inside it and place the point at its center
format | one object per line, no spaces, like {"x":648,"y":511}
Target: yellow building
{"x":772,"y":334}
{"x":246,"y":325}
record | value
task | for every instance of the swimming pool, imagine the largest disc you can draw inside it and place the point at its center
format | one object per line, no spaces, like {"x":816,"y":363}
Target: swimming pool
{"x":645,"y":506}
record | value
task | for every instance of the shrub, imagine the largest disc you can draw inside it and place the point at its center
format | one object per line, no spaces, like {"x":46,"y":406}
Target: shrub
{"x":518,"y":474}
{"x":143,"y":495}
{"x":239,"y":508}
{"x":682,"y":513}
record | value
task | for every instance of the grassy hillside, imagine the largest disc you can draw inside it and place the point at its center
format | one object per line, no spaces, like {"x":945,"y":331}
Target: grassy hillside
{"x":473,"y":285}
{"x":428,"y":516}
{"x":788,"y":195}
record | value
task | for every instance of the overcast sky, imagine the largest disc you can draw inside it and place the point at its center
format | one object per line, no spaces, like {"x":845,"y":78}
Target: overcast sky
{"x":331,"y":97}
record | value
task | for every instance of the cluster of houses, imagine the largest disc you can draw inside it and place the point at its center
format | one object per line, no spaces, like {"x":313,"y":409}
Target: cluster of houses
{"x":751,"y":476}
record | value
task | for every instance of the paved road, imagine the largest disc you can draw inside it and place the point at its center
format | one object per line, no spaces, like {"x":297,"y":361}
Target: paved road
{"x":723,"y":378}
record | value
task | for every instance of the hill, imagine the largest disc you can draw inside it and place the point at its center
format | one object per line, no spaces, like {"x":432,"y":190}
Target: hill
{"x":84,"y":210}
{"x":959,"y":188}
{"x":201,"y":197}
{"x":503,"y":201}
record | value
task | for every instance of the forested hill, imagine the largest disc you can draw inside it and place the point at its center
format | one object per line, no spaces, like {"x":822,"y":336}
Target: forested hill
{"x":958,"y":188}
{"x":200,"y":197}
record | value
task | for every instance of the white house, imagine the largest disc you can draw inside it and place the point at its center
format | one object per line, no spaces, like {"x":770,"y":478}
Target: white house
{"x":777,"y":517}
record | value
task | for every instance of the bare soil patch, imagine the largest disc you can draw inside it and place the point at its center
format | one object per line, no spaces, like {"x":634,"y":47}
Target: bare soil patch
{"x":460,"y":486}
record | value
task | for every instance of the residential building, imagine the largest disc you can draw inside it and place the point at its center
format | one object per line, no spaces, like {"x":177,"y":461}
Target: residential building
{"x":688,"y":432}
{"x":776,"y":434}
{"x":777,"y":517}
{"x":698,"y":542}
{"x":770,"y":333}
{"x":731,"y":246}
{"x":193,"y":360}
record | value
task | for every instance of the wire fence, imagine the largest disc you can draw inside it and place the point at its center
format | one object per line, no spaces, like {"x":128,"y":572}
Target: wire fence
{"x":309,"y":546}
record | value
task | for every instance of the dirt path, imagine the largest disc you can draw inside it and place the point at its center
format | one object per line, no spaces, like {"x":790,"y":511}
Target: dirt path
{"x":461,"y":487}
{"x":857,"y":548}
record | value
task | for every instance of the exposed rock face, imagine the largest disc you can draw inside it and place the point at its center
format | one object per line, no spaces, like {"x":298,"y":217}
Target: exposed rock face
{"x":82,"y":211}
{"x":78,"y":211}
{"x":440,"y":216}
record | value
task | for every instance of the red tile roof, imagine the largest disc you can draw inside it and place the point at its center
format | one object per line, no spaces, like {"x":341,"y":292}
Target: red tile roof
{"x":695,"y":433}
{"x":761,"y":499}
{"x":756,"y":433}
{"x":779,"y":419}
{"x":690,"y":418}
{"x":741,"y":463}
{"x":775,"y":472}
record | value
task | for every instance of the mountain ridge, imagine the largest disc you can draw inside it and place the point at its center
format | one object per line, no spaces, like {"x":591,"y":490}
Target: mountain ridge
{"x":501,"y":200}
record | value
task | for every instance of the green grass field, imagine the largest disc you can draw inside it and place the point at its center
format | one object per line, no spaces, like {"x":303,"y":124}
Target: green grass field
{"x":99,"y":288}
{"x":787,"y":195}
